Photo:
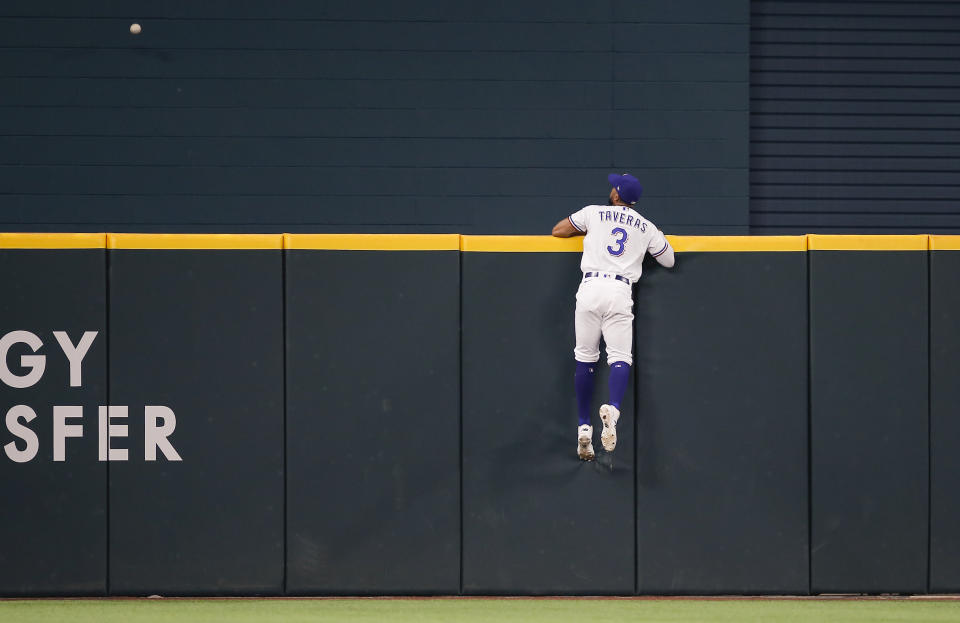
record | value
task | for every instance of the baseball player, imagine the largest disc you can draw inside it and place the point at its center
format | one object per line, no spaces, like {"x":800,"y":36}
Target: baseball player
{"x":616,"y":239}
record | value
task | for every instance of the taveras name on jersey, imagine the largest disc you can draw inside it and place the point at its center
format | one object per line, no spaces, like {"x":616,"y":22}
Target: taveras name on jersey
{"x":617,"y":238}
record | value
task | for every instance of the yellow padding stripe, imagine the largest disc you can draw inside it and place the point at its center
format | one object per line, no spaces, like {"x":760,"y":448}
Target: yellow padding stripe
{"x":453,"y":242}
{"x":541,"y":244}
{"x":822,"y":242}
{"x":53,"y":241}
{"x":945,"y":243}
{"x":373,"y":242}
{"x":683,"y":244}
{"x":195,"y":241}
{"x":522,"y":244}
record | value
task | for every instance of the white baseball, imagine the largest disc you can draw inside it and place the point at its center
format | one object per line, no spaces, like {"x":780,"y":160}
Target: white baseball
{"x":134,"y":29}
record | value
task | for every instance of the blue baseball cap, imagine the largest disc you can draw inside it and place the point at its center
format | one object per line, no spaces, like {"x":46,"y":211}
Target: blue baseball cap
{"x":628,"y":187}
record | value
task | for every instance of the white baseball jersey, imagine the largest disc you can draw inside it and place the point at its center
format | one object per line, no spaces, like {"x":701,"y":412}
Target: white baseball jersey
{"x":617,"y":237}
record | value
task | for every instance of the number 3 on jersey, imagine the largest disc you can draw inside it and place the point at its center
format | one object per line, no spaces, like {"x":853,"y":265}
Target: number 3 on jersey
{"x":621,"y":234}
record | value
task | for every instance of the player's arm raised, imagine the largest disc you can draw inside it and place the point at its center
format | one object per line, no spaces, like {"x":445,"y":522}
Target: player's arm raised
{"x":565,"y":229}
{"x":661,"y":250}
{"x":573,"y":225}
{"x":666,"y":257}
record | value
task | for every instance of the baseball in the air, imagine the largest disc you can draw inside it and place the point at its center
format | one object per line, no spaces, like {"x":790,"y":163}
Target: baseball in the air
{"x":134,"y":29}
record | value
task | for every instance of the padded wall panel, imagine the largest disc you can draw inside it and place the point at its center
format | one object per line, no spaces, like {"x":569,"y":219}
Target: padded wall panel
{"x":54,"y":512}
{"x":536,"y":520}
{"x":868,"y":421}
{"x":200,"y":332}
{"x":373,"y":425}
{"x":944,"y":423}
{"x":722,"y":446}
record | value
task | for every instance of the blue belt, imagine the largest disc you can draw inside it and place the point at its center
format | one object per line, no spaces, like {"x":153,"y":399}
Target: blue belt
{"x":617,"y":277}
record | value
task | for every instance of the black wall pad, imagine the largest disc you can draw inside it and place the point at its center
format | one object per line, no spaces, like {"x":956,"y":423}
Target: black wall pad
{"x":54,"y":512}
{"x":198,"y":331}
{"x":944,"y":423}
{"x":868,"y":412}
{"x":536,"y":520}
{"x":373,"y":422}
{"x":722,"y":443}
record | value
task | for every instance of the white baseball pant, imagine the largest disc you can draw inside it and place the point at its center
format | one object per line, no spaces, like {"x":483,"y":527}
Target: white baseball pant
{"x":604,"y":307}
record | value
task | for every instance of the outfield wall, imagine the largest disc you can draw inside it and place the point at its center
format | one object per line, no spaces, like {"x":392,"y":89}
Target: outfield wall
{"x":322,"y":414}
{"x":372,"y":116}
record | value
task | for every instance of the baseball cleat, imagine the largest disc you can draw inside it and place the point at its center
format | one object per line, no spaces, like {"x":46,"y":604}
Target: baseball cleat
{"x":585,"y":443}
{"x":609,"y":414}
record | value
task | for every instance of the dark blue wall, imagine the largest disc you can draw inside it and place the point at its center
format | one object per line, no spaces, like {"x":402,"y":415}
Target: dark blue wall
{"x":855,"y":116}
{"x":762,"y":116}
{"x":472,"y":117}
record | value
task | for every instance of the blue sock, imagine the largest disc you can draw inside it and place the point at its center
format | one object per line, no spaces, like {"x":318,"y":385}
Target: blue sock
{"x":583,"y":381}
{"x":619,"y":377}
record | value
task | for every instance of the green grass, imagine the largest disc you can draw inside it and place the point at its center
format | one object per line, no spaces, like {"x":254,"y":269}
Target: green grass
{"x":499,"y":610}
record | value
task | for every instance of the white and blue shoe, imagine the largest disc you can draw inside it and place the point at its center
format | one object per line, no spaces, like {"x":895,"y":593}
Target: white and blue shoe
{"x":585,"y":443}
{"x":609,"y":414}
